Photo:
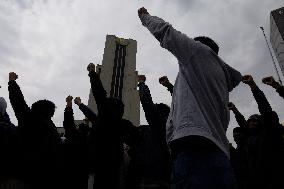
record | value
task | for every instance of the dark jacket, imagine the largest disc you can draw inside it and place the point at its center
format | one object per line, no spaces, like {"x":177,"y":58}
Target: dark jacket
{"x":239,"y":161}
{"x":39,"y":144}
{"x":107,"y":138}
{"x":157,"y":164}
{"x":170,"y":88}
{"x":7,"y":148}
{"x":75,"y":153}
{"x":268,"y":147}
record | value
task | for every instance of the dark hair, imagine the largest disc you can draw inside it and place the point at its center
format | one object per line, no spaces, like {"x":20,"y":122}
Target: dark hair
{"x":163,"y":109}
{"x":116,"y":105}
{"x":238,"y":130}
{"x":209,"y":42}
{"x":254,"y":117}
{"x":44,"y":108}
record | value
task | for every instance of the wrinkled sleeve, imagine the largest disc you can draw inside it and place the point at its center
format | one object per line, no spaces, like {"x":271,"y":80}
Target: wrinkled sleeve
{"x":234,"y":77}
{"x":181,"y":46}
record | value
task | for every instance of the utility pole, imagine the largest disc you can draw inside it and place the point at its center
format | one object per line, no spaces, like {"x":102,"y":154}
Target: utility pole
{"x":262,"y":29}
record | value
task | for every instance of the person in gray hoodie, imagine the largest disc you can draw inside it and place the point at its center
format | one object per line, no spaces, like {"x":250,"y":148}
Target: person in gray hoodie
{"x":199,"y":117}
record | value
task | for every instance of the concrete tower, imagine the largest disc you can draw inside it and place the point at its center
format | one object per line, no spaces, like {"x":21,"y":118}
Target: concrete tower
{"x":119,"y":76}
{"x":277,"y":35}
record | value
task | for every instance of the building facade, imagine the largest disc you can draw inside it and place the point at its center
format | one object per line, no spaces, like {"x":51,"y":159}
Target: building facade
{"x":119,"y":76}
{"x":277,"y":35}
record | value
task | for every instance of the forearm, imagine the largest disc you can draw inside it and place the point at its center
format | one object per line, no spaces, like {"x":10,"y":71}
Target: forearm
{"x":68,"y":123}
{"x":262,"y":102}
{"x":280,"y":90}
{"x":98,"y":92}
{"x":171,"y":39}
{"x":148,"y":106}
{"x":17,"y":100}
{"x":157,"y":26}
{"x":92,"y":116}
{"x":170,"y":88}
{"x":239,"y":118}
{"x":144,"y":93}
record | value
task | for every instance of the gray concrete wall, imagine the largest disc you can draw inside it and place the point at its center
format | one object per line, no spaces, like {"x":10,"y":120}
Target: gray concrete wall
{"x":130,"y":96}
{"x":277,"y":42}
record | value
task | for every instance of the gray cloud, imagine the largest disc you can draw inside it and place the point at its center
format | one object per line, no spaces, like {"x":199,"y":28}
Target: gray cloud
{"x":49,"y":43}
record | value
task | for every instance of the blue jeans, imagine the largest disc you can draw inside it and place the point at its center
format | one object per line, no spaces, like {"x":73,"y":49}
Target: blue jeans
{"x":201,"y":167}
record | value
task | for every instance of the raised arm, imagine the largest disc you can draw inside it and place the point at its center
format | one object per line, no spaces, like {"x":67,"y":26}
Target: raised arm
{"x":176,"y":42}
{"x":92,"y":116}
{"x":239,"y":117}
{"x":99,"y":93}
{"x":151,"y":112}
{"x":17,"y":99}
{"x":166,"y":83}
{"x":271,"y":82}
{"x":68,"y":123}
{"x":263,"y":104}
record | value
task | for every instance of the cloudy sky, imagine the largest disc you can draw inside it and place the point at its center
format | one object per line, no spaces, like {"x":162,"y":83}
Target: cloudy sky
{"x":49,"y":43}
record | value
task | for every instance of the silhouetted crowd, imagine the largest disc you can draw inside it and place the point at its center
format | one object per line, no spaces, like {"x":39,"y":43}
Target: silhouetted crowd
{"x":182,"y":147}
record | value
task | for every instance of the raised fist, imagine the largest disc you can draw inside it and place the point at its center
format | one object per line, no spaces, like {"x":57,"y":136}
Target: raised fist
{"x":91,"y":67}
{"x":141,"y":78}
{"x":231,"y":106}
{"x":13,"y":76}
{"x":247,"y":79}
{"x":164,"y":80}
{"x":69,"y":99}
{"x":77,"y":101}
{"x":142,"y":11}
{"x":269,"y":81}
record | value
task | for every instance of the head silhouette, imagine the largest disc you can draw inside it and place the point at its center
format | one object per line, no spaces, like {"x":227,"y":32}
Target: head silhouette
{"x":83,"y":129}
{"x":254,"y":121}
{"x":209,"y":42}
{"x":44,"y":108}
{"x":163,"y":110}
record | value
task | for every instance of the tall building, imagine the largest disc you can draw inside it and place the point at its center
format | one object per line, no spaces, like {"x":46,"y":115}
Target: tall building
{"x":277,"y":35}
{"x":119,"y":76}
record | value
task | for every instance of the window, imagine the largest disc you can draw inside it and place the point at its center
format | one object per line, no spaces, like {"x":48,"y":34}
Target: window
{"x":118,"y":71}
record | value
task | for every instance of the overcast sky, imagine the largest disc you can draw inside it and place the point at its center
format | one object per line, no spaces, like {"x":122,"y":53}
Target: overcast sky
{"x":49,"y":43}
